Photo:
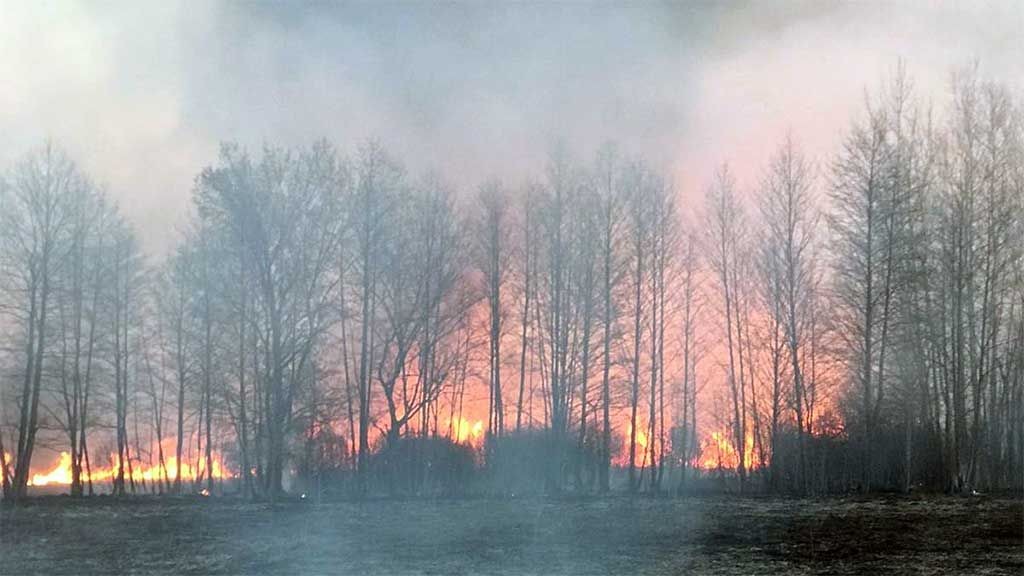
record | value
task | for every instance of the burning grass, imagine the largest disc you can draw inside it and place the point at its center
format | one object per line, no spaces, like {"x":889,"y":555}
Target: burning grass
{"x":60,"y":473}
{"x":704,"y":536}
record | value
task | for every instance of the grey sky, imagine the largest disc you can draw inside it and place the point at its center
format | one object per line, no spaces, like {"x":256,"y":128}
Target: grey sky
{"x":141,"y":93}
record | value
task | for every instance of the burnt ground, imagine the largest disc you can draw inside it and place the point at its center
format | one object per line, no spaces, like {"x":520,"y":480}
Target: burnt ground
{"x":939,"y":535}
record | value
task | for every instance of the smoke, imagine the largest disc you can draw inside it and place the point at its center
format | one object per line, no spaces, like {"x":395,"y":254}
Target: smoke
{"x":142,"y":93}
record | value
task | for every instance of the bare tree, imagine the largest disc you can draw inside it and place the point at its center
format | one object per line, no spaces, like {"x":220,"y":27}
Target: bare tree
{"x":608,"y":184}
{"x":863,"y":222}
{"x":174,"y":303}
{"x":422,"y":267}
{"x":35,"y":224}
{"x":126,"y":270}
{"x":493,"y":257}
{"x":528,"y":272}
{"x":554,"y":306}
{"x":287,"y":209}
{"x":787,"y":211}
{"x":639,"y":207}
{"x":79,"y":297}
{"x":691,"y":305}
{"x":378,"y":180}
{"x":726,"y":249}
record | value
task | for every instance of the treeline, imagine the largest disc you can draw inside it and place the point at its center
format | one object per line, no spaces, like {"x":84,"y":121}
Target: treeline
{"x":854,"y":323}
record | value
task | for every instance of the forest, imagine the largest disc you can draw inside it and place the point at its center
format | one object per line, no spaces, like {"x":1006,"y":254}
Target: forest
{"x":330,"y":325}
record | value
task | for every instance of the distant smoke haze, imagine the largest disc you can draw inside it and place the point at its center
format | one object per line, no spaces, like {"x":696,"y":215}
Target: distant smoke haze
{"x":141,"y":95}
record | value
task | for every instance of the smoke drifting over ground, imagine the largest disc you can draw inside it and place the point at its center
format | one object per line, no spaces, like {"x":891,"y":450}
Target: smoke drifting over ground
{"x":141,"y":95}
{"x":515,"y":538}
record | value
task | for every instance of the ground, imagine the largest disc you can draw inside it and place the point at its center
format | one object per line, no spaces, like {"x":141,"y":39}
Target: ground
{"x":937,"y":535}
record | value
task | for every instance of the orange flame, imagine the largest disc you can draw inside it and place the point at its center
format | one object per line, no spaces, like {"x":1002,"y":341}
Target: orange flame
{"x":641,"y":444}
{"x":641,"y":436}
{"x":465,"y":432}
{"x":60,"y":473}
{"x":718,"y":451}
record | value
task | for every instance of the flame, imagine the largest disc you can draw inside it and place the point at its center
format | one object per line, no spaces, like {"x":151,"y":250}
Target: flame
{"x":465,"y":432}
{"x":641,"y":445}
{"x":641,"y":436}
{"x":60,"y":473}
{"x":717,"y":450}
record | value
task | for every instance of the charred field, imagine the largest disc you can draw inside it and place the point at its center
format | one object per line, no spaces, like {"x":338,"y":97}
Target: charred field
{"x":709,"y":535}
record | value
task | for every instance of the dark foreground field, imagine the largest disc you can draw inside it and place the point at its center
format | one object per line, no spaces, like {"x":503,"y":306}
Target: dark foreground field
{"x":699,"y":536}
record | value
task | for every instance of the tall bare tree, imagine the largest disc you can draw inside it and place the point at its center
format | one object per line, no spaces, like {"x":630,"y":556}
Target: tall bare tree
{"x":494,"y":257}
{"x":287,"y":208}
{"x":726,"y":240}
{"x":788,"y":214}
{"x":36,"y":244}
{"x":608,"y":185}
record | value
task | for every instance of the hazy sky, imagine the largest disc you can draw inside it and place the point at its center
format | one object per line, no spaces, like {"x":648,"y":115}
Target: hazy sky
{"x":141,"y":93}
